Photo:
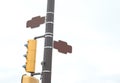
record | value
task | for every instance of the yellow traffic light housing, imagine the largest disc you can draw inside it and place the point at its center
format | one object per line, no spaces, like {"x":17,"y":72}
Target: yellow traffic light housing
{"x":29,"y":79}
{"x":31,"y":56}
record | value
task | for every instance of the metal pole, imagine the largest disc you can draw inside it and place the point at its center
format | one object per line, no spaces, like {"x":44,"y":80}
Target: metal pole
{"x":47,"y":59}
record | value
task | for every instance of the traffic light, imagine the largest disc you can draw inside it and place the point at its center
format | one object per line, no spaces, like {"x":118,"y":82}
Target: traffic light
{"x":35,"y":22}
{"x":31,"y":56}
{"x":62,"y":47}
{"x":29,"y":79}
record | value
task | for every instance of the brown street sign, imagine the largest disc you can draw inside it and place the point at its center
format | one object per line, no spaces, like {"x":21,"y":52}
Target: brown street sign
{"x":62,"y":47}
{"x":35,"y":22}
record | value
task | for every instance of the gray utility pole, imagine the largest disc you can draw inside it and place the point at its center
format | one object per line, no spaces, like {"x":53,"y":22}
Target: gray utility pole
{"x":48,"y":46}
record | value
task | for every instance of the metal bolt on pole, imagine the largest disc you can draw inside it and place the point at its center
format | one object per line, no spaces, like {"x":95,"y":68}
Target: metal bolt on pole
{"x":48,"y":45}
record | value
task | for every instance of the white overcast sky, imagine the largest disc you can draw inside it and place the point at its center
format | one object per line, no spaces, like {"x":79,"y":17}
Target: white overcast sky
{"x":92,"y":27}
